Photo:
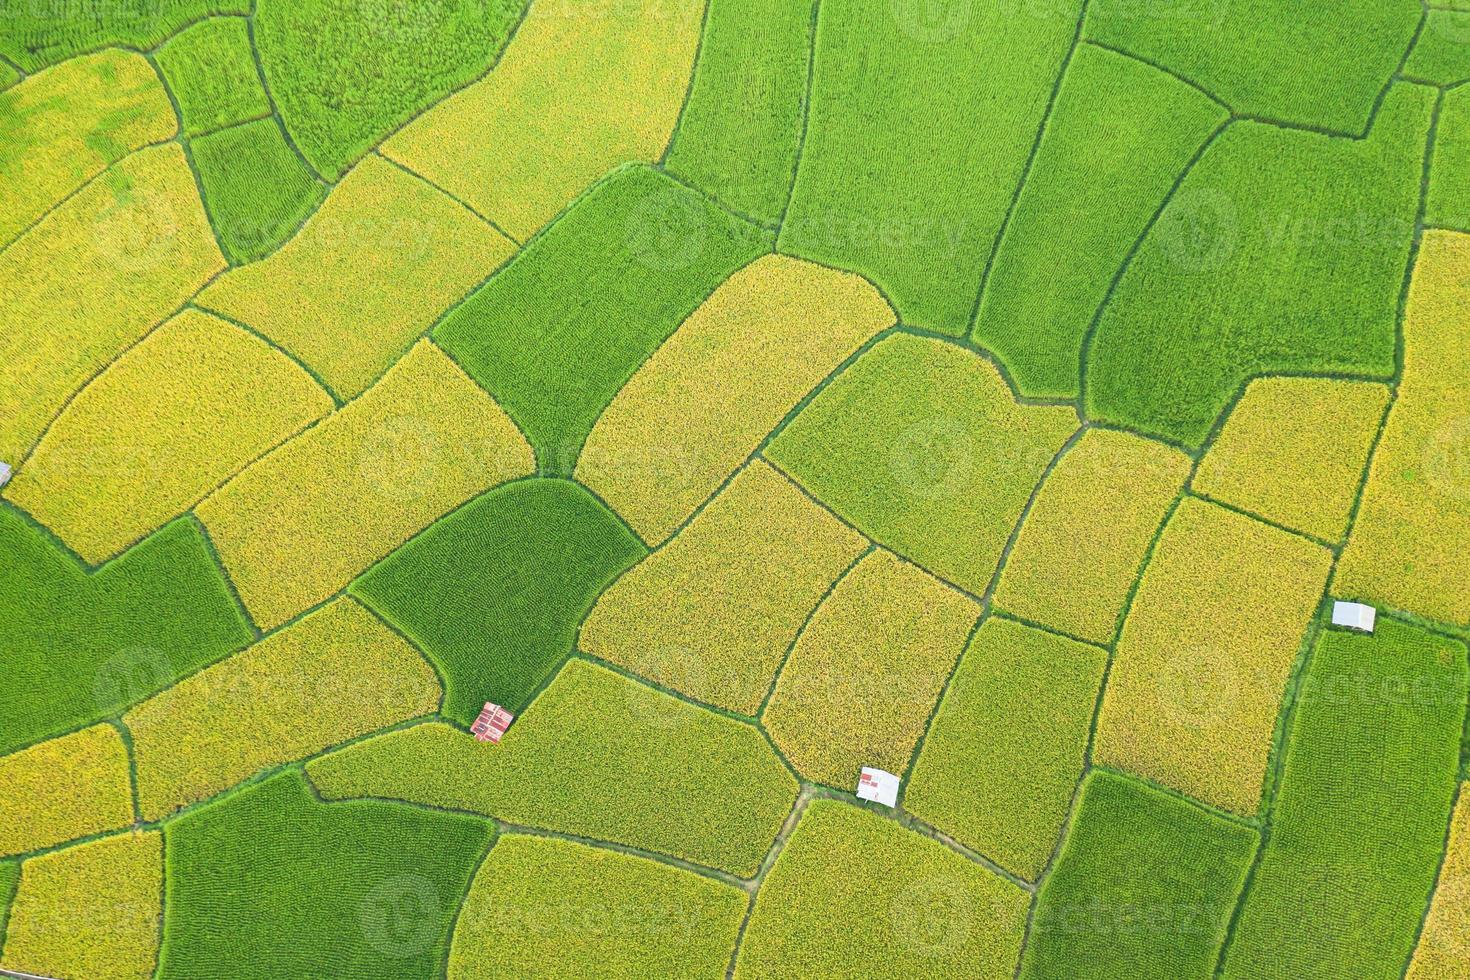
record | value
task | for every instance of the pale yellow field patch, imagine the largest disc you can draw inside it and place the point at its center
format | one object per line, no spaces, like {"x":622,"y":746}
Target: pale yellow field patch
{"x":1082,"y":545}
{"x":583,"y":86}
{"x":64,"y":788}
{"x":89,"y":911}
{"x":731,"y":372}
{"x":712,"y":613}
{"x":336,"y":674}
{"x":1407,"y":546}
{"x":1293,"y":451}
{"x":163,"y":425}
{"x":1205,"y":653}
{"x":377,"y":264}
{"x":1443,"y":952}
{"x":93,"y":277}
{"x":867,"y":669}
{"x":297,"y":525}
{"x":63,"y":126}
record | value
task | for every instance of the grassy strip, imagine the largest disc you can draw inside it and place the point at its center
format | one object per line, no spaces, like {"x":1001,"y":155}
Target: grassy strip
{"x":66,"y":125}
{"x":162,"y":426}
{"x":272,"y":883}
{"x":336,"y":674}
{"x":1405,"y":548}
{"x":133,"y":627}
{"x":65,"y":788}
{"x":1121,"y":133}
{"x":712,"y":613}
{"x":256,"y":188}
{"x":1083,"y":543}
{"x":494,"y":592}
{"x":867,"y":670}
{"x":1004,"y":753}
{"x":1259,"y":266}
{"x":365,"y":277}
{"x":91,"y":279}
{"x":299,"y":524}
{"x":346,"y":73}
{"x":1318,"y":66}
{"x":595,"y":755}
{"x":546,"y":907}
{"x":732,"y":371}
{"x":581,"y":89}
{"x":1293,"y":451}
{"x":555,"y":334}
{"x":917,"y":134}
{"x":211,"y":71}
{"x":89,"y":911}
{"x":1143,"y":887}
{"x":738,"y":135}
{"x":852,"y":892}
{"x":920,"y":444}
{"x":1359,"y":823}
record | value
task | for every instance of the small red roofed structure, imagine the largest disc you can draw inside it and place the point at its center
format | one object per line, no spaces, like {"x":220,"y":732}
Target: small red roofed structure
{"x":492,"y":723}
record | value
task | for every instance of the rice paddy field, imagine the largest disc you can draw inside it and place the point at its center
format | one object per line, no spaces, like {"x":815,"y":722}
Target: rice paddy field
{"x":743,"y":395}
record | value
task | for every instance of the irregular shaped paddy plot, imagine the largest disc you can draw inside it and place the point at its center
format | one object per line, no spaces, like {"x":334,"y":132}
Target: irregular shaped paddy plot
{"x":63,"y":126}
{"x":1448,"y":202}
{"x":1358,"y":828}
{"x":546,"y":907}
{"x":494,"y":592}
{"x":132,"y":627}
{"x":713,"y":611}
{"x":335,"y":674}
{"x":1005,"y":750}
{"x":211,"y":71}
{"x":556,"y":333}
{"x":920,"y":123}
{"x":1119,"y":136}
{"x":852,"y":892}
{"x":1407,"y":544}
{"x":1203,"y":659}
{"x":1085,"y":538}
{"x":166,"y":423}
{"x":366,"y":276}
{"x":1314,"y":64}
{"x":271,"y":882}
{"x":296,"y":526}
{"x":1293,"y":451}
{"x":740,"y":132}
{"x":93,"y":277}
{"x":345,"y":73}
{"x":63,"y":789}
{"x":921,"y":446}
{"x":1144,"y":887}
{"x":864,"y":674}
{"x":583,"y":87}
{"x":1258,"y":265}
{"x":89,"y":911}
{"x":697,"y":408}
{"x":598,"y":756}
{"x":40,"y":34}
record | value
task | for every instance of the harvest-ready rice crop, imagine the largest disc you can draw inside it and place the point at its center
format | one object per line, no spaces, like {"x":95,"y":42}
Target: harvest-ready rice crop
{"x":713,"y":612}
{"x":65,"y":788}
{"x":598,"y":756}
{"x":178,"y":414}
{"x":1443,"y":952}
{"x":704,"y":400}
{"x":91,"y":911}
{"x":335,"y":674}
{"x":546,"y":907}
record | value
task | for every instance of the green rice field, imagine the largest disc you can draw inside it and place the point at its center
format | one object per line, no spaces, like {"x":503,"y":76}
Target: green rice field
{"x":734,"y":489}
